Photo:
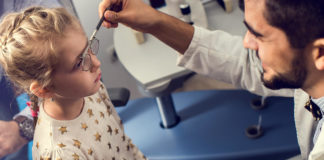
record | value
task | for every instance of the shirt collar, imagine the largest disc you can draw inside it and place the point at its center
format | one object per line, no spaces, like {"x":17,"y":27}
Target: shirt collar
{"x":319,"y":102}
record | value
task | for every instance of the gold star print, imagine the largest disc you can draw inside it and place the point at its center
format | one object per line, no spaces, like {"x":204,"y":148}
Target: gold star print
{"x":90,"y":151}
{"x":75,"y":156}
{"x":109,"y":129}
{"x":90,"y":112}
{"x":124,"y":137}
{"x":98,"y":137}
{"x":90,"y":99}
{"x":117,"y":148}
{"x":128,"y":147}
{"x":51,"y":134}
{"x":63,"y":130}
{"x":108,"y":111}
{"x":104,"y":96}
{"x":77,"y":143}
{"x":102,"y":115}
{"x":61,"y":145}
{"x":96,"y":121}
{"x":84,"y":126}
{"x":113,"y":158}
{"x":121,"y":122}
{"x":109,"y":145}
{"x":37,"y":145}
{"x":102,"y":87}
{"x":47,"y":158}
{"x":41,"y":158}
{"x":116,"y":130}
{"x":99,"y":100}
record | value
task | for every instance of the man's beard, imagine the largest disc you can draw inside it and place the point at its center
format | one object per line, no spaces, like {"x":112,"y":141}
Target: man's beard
{"x":294,"y":79}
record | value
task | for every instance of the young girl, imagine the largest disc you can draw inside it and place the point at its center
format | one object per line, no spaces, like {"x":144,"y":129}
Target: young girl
{"x":46,"y":52}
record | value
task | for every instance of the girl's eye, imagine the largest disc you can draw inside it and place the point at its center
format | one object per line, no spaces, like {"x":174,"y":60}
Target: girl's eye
{"x":78,"y":65}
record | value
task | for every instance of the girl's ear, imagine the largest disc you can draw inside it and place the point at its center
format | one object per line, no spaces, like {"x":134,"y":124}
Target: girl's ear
{"x":39,"y":90}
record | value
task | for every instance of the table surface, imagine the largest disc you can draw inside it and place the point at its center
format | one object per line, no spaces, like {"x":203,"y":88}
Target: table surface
{"x":153,"y":63}
{"x":212,"y":126}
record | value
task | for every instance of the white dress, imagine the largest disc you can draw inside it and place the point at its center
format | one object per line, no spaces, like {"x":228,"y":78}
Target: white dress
{"x":96,"y":134}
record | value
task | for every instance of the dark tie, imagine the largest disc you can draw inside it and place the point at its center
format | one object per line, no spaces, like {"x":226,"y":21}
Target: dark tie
{"x":314,"y":109}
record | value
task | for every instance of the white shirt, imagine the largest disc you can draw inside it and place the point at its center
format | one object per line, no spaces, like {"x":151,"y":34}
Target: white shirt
{"x":221,"y":56}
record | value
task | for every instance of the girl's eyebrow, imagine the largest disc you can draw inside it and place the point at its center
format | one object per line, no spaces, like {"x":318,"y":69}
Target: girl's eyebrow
{"x":83,"y":50}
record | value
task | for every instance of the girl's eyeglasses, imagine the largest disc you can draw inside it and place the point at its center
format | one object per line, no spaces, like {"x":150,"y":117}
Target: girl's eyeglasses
{"x":92,"y":48}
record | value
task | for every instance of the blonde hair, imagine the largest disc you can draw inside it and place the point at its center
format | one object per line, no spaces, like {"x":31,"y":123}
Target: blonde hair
{"x":29,"y":40}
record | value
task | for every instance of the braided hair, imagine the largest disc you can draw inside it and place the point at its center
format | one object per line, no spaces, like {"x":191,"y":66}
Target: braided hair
{"x":28,"y":46}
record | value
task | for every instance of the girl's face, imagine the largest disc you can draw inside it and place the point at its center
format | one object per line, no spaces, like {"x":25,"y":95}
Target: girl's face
{"x":69,"y":80}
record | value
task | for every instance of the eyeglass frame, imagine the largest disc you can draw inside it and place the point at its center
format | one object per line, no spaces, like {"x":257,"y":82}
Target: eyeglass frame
{"x":86,"y":52}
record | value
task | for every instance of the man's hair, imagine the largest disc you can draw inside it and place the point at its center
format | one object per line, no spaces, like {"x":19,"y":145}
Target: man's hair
{"x":301,"y":20}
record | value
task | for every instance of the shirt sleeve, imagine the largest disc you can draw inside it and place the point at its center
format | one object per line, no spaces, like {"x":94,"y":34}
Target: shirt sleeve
{"x":25,"y":112}
{"x":222,"y":56}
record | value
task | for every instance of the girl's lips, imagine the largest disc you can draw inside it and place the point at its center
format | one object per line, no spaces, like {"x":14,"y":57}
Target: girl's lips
{"x":98,"y":78}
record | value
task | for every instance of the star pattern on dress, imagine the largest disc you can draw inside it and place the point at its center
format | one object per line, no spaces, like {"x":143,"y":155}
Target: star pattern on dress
{"x":123,"y":137}
{"x":61,"y":145}
{"x":109,"y":129}
{"x":84,"y":126}
{"x":37,"y":145}
{"x":117,"y":148}
{"x":128,"y":147}
{"x":63,"y":130}
{"x":109,"y":145}
{"x":116,"y":131}
{"x":75,"y":156}
{"x":99,"y":100}
{"x":104,"y":96}
{"x":109,"y":112}
{"x":90,"y":112}
{"x":98,"y":137}
{"x":102,"y":115}
{"x":77,"y":143}
{"x":96,"y":121}
{"x":91,"y":100}
{"x":90,"y":151}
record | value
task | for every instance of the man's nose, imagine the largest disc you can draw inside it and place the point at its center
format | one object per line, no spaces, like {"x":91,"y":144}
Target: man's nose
{"x":249,"y":41}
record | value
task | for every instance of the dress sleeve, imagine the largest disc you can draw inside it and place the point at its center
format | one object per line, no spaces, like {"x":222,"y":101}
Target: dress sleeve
{"x":222,"y":56}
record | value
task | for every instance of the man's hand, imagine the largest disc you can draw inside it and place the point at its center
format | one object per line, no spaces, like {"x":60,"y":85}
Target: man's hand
{"x":133,"y":13}
{"x":142,"y":17}
{"x":10,"y":139}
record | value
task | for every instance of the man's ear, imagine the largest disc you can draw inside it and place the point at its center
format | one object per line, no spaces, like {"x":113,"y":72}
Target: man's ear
{"x":39,"y":90}
{"x":318,"y":53}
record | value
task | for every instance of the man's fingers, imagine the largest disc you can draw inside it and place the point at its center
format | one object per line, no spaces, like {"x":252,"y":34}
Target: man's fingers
{"x":102,"y":6}
{"x":111,"y":17}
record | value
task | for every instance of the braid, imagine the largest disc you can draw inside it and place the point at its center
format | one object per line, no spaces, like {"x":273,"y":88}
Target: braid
{"x":28,"y":44}
{"x":34,"y":106}
{"x":15,"y":25}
